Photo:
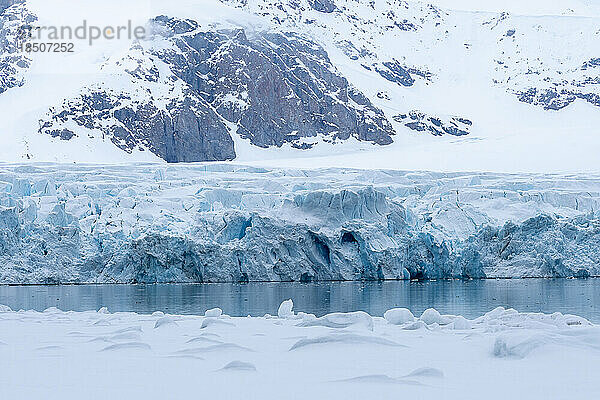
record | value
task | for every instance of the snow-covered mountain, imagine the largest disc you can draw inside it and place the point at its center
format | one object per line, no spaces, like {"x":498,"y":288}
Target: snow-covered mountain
{"x":365,"y":83}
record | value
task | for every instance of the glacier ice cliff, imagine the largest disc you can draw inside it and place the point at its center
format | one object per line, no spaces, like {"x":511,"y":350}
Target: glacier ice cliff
{"x":228,"y":223}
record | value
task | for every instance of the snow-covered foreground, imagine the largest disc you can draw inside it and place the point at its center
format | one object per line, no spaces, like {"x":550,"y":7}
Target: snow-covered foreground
{"x":97,"y":355}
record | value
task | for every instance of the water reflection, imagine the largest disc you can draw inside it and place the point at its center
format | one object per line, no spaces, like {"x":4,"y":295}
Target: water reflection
{"x":468,"y":298}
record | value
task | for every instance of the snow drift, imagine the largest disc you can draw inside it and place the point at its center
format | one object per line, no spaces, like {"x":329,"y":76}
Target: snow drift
{"x":338,"y":355}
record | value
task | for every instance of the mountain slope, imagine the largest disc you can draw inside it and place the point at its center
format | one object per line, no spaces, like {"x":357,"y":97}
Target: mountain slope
{"x":385,"y":83}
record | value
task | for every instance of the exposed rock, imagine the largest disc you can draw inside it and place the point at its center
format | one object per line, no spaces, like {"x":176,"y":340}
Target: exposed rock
{"x":274,"y":88}
{"x":325,"y":6}
{"x":277,"y":88}
{"x":419,"y":121}
{"x":14,"y":18}
{"x":394,"y":72}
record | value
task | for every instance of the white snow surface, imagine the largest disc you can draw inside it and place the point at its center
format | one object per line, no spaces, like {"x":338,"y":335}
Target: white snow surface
{"x":98,"y":355}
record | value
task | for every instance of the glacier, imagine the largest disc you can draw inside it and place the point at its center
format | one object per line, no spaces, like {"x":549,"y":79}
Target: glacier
{"x":150,"y":222}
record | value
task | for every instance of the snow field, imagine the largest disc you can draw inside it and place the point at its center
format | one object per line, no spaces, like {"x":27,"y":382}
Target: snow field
{"x":502,"y":354}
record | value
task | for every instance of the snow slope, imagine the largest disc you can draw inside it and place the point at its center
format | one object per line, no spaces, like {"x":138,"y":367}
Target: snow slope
{"x":502,"y":354}
{"x":468,"y":60}
{"x":584,"y":8}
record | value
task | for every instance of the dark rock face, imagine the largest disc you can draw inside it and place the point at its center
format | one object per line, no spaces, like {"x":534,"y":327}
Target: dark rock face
{"x":4,"y":4}
{"x":273,"y":88}
{"x":325,"y":6}
{"x":420,"y":122}
{"x":550,"y":99}
{"x":277,"y":88}
{"x":186,"y":131}
{"x":14,"y":16}
{"x":394,"y":72}
{"x":563,"y":93}
{"x":592,"y":63}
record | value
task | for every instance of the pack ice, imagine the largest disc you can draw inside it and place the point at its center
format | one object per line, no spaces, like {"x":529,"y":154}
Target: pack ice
{"x":222,"y":222}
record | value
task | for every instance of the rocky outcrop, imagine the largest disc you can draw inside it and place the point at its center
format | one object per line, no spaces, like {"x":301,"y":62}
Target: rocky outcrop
{"x":553,"y":99}
{"x":272,"y":89}
{"x":14,"y":18}
{"x":4,"y":4}
{"x":420,"y":122}
{"x":277,"y":88}
{"x":186,"y":130}
{"x":325,"y":6}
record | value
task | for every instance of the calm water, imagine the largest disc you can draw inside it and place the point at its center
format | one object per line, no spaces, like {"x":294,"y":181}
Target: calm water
{"x":470,"y":298}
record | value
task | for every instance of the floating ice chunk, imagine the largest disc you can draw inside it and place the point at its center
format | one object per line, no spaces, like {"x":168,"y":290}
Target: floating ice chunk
{"x":103,"y":310}
{"x":461,"y":323}
{"x":285,"y":309}
{"x":342,"y":320}
{"x":415,"y":326}
{"x":398,"y":316}
{"x":4,"y":308}
{"x":158,"y":314}
{"x":213,"y":312}
{"x":432,"y":316}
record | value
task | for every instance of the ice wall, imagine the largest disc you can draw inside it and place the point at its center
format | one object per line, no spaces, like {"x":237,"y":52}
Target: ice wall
{"x":221,"y":222}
